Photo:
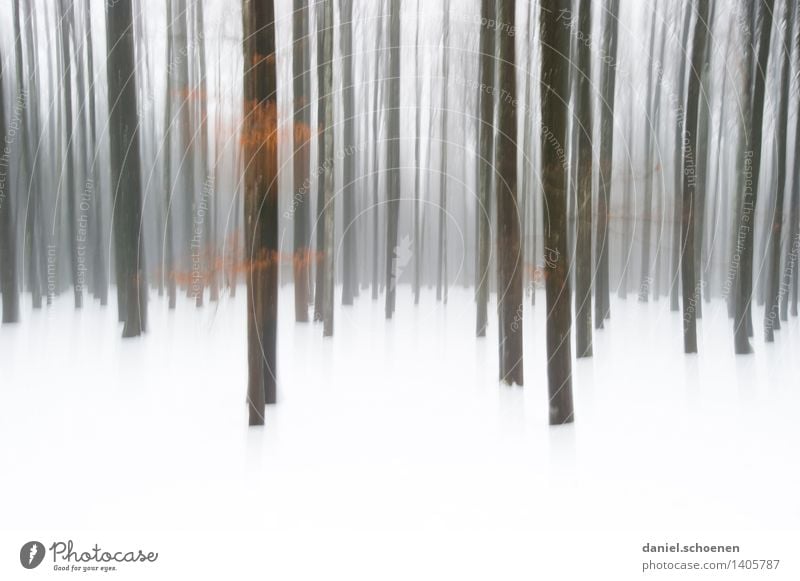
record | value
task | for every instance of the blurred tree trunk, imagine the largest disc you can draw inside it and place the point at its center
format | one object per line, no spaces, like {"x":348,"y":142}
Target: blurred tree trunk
{"x":602,"y":303}
{"x":319,"y":262}
{"x":509,"y":247}
{"x":260,"y":137}
{"x":743,"y":323}
{"x":302,"y":176}
{"x":393,"y":161}
{"x":8,"y":238}
{"x":417,"y":168}
{"x":744,"y":186}
{"x":377,"y":99}
{"x":441,"y":277}
{"x":790,"y":273}
{"x":583,"y":231}
{"x":703,"y":121}
{"x":690,"y":290}
{"x":349,"y":259}
{"x":169,"y":120}
{"x":485,"y":162}
{"x":125,"y":167}
{"x":33,"y":220}
{"x":651,"y":123}
{"x":555,"y":41}
{"x":329,"y":204}
{"x":204,"y":216}
{"x":69,"y":193}
{"x":680,"y":114}
{"x":99,"y":261}
{"x":774,"y":290}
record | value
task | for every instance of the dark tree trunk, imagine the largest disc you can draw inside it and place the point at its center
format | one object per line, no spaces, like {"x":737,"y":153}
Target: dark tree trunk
{"x":8,"y":237}
{"x":125,"y":167}
{"x":583,"y":230}
{"x":690,"y":291}
{"x":555,"y":40}
{"x":260,"y":139}
{"x":510,"y":259}
{"x":752,"y":153}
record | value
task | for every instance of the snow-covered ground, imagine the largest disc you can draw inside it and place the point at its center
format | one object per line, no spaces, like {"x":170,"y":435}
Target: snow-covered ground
{"x":393,"y":450}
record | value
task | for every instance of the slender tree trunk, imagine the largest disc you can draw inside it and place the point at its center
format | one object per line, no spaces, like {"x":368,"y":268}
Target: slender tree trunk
{"x":99,"y":262}
{"x":168,"y":260}
{"x":393,"y":161}
{"x":690,"y":292}
{"x":319,"y":259}
{"x":790,"y":273}
{"x":649,"y":177}
{"x":602,"y":304}
{"x":417,"y":168}
{"x":302,"y":177}
{"x":486,"y":161}
{"x":555,"y":40}
{"x":677,"y":247}
{"x":8,"y":237}
{"x":441,"y":278}
{"x":774,"y":289}
{"x":583,"y":231}
{"x":349,"y":259}
{"x":329,"y":278}
{"x":69,"y":193}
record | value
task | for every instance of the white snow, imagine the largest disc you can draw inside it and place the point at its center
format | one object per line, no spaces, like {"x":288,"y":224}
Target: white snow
{"x":393,"y":446}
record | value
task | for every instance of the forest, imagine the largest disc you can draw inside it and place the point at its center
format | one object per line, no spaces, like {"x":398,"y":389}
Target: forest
{"x":491,"y":158}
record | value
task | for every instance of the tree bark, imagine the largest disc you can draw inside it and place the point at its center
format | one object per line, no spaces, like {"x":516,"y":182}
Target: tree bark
{"x":555,"y":39}
{"x":125,"y":167}
{"x":583,"y":230}
{"x":260,"y":139}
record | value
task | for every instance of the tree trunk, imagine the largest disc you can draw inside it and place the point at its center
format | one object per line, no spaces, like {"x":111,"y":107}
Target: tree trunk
{"x":328,"y":265}
{"x":125,"y":167}
{"x":393,"y":161}
{"x":349,"y":284}
{"x":602,"y":302}
{"x":260,"y":138}
{"x":774,"y":290}
{"x":555,"y":39}
{"x":583,"y":230}
{"x":752,"y":153}
{"x":690,"y":291}
{"x":509,"y":247}
{"x":302,"y":177}
{"x":486,"y":161}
